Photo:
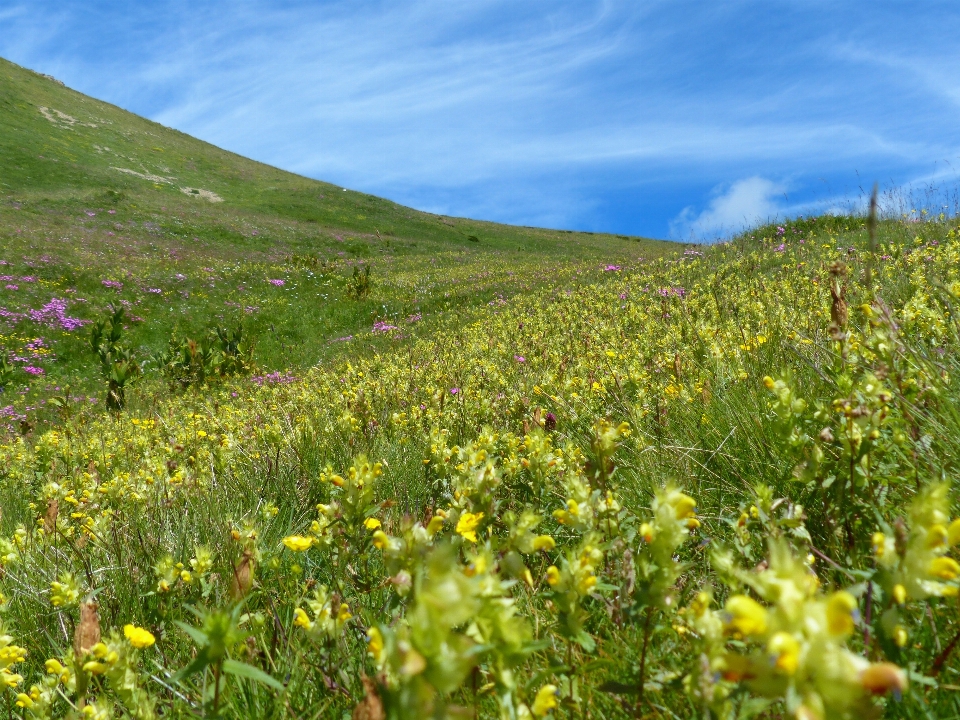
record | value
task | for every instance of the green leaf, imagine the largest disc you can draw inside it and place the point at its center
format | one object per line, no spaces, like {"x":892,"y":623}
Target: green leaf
{"x":233,"y":667}
{"x":199,"y":664}
{"x":199,"y":637}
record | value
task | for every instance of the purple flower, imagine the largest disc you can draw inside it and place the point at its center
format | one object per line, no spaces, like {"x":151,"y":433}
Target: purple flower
{"x":278,"y":282}
{"x":611,"y":268}
{"x":415,"y":318}
{"x":155,"y":291}
{"x":519,"y":358}
{"x":90,"y":213}
{"x":780,"y":248}
{"x":13,"y":287}
{"x":33,"y":370}
{"x":383,"y":326}
{"x":454,"y":391}
{"x":112,"y":284}
{"x":112,"y":212}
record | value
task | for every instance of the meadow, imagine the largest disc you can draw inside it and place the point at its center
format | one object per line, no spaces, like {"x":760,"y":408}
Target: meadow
{"x":529,"y":475}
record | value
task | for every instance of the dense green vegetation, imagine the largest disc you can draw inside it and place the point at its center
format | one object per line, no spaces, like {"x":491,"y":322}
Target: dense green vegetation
{"x":543,"y":478}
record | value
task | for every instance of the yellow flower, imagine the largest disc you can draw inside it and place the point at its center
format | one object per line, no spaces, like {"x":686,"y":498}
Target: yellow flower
{"x":646,"y":532}
{"x":436,"y":522}
{"x":301,"y":619}
{"x":900,"y":636}
{"x":467,"y":525}
{"x":380,"y":540}
{"x":544,"y":542}
{"x":953,"y":533}
{"x":899,"y":594}
{"x":138,"y":637}
{"x":298,"y":543}
{"x":936,"y":536}
{"x":785,"y":651}
{"x":545,"y":701}
{"x":744,"y":616}
{"x":371,"y":523}
{"x":344,"y":613}
{"x":683,"y":505}
{"x":553,"y":575}
{"x":944,"y":568}
{"x":883,"y":678}
{"x":374,"y":643}
{"x":879,"y":543}
{"x":841,"y":608}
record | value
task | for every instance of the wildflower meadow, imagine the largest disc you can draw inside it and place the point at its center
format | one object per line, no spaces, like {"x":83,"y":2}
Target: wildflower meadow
{"x":525,"y":475}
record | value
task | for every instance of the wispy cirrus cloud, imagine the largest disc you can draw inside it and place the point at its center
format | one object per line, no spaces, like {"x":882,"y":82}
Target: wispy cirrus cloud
{"x":600,"y":114}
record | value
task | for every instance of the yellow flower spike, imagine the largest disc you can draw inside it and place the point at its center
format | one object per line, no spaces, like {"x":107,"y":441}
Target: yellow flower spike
{"x":744,"y":616}
{"x":841,"y":612}
{"x":371,"y":523}
{"x":544,"y":542}
{"x":298,"y":543}
{"x":944,"y":568}
{"x":301,"y":619}
{"x":344,"y":614}
{"x":785,"y":651}
{"x":138,"y":637}
{"x":24,"y":701}
{"x":692,"y":523}
{"x":646,"y":532}
{"x":553,"y":576}
{"x":545,"y":701}
{"x":380,"y":540}
{"x":936,"y":536}
{"x":53,"y":667}
{"x":185,"y":576}
{"x":528,"y":577}
{"x":768,"y":382}
{"x":899,"y":594}
{"x":374,"y":642}
{"x":467,"y":526}
{"x":953,"y":533}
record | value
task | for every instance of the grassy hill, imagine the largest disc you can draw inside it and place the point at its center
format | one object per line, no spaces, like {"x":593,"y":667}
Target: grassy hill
{"x":99,"y":206}
{"x":716,"y":483}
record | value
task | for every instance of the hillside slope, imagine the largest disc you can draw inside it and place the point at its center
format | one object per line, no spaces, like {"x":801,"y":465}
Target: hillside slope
{"x":99,"y":206}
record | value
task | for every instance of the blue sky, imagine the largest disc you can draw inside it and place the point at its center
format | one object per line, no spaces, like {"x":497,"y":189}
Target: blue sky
{"x":658,"y":118}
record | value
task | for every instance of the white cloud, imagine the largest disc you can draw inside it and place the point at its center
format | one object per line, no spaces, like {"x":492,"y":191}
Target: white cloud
{"x":746,"y":202}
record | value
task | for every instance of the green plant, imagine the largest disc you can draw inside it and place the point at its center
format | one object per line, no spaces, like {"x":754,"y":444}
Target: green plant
{"x":117,"y":363}
{"x":358,"y":287}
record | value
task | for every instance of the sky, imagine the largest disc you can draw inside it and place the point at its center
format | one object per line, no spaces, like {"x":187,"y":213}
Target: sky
{"x":662,"y":118}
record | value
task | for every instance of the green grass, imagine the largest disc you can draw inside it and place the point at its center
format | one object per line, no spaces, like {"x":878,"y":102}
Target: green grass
{"x":69,"y":218}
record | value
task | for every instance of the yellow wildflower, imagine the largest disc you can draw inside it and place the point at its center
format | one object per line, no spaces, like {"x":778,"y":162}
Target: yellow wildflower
{"x":545,"y":701}
{"x":467,"y":525}
{"x":298,"y":543}
{"x":138,"y":637}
